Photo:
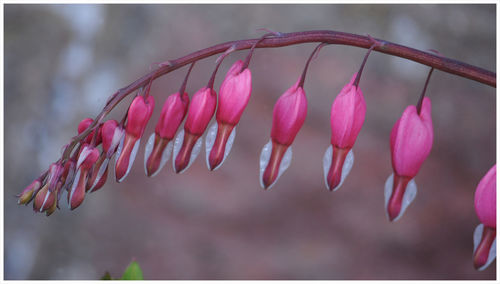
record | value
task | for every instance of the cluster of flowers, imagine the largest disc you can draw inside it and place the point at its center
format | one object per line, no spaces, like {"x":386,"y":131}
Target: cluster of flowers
{"x":410,"y":142}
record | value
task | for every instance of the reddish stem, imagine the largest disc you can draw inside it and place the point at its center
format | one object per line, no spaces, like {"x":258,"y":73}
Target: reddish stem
{"x":315,"y":51}
{"x":419,"y":104}
{"x":184,"y":83}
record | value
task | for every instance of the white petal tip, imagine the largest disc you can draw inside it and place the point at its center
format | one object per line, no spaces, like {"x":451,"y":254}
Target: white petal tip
{"x":408,"y":197}
{"x":346,"y":168}
{"x":265,"y":155}
{"x":209,"y":143}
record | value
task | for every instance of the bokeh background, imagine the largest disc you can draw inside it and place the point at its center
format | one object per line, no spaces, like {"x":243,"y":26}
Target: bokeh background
{"x":63,"y":61}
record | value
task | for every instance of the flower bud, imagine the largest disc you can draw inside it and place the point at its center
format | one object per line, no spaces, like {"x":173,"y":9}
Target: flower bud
{"x":187,"y":144}
{"x":111,"y":136}
{"x":411,"y":143}
{"x":44,"y":199}
{"x":139,"y":113}
{"x":289,"y":115}
{"x":46,"y":196}
{"x":159,"y":146}
{"x":83,"y":125}
{"x":25,"y":196}
{"x":234,"y":94}
{"x":86,"y":159}
{"x":346,"y":119}
{"x":108,"y":131}
{"x":485,"y":203}
{"x":98,"y":174}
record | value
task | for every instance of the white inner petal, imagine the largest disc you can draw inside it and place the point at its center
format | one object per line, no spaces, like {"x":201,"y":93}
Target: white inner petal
{"x":194,"y":153}
{"x":165,"y":156}
{"x":478,"y":233}
{"x":210,"y":140}
{"x":73,"y":187}
{"x":265,"y":155}
{"x":100,"y":173}
{"x":116,"y":141}
{"x":45,"y":200}
{"x":119,"y":150}
{"x":177,"y":145}
{"x":147,"y":150}
{"x":408,"y":197}
{"x":346,"y":167}
{"x":83,"y":155}
{"x":131,"y":159}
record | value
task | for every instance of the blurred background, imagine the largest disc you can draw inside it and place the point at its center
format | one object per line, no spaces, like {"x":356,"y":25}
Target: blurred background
{"x":63,"y":61}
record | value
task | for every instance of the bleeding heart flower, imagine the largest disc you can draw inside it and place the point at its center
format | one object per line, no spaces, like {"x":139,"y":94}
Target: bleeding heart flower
{"x":139,"y":113}
{"x":111,"y":136}
{"x":46,"y":196}
{"x":485,"y":203}
{"x":86,"y":159}
{"x":289,"y":114}
{"x":411,"y":143}
{"x":83,"y":125}
{"x":347,"y":117}
{"x":234,"y":95}
{"x":160,"y":144}
{"x":27,"y":194}
{"x":187,"y":144}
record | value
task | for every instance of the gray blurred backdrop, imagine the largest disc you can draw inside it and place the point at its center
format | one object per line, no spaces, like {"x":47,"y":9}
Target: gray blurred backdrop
{"x":63,"y":61}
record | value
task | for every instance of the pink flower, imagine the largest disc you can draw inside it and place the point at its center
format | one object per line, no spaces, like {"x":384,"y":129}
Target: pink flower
{"x":234,"y":94}
{"x":159,"y":146}
{"x":83,"y":125}
{"x":111,"y":135}
{"x":26,"y":195}
{"x":86,"y":159}
{"x":288,"y":117}
{"x":45,"y":198}
{"x":187,"y":144}
{"x":485,"y":203}
{"x":347,"y":118}
{"x":139,"y":113}
{"x":411,"y":143}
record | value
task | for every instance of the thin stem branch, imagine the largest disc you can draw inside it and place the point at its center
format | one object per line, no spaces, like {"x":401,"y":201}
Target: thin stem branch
{"x":315,"y":52}
{"x":358,"y":77}
{"x":332,"y":37}
{"x":419,"y":104}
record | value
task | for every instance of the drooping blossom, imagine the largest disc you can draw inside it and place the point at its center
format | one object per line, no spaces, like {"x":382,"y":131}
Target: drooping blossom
{"x":187,"y":143}
{"x":346,"y":120}
{"x":86,"y":159}
{"x":289,"y":114}
{"x":139,"y":113}
{"x":83,"y":125}
{"x":46,"y":197}
{"x":234,"y":95}
{"x":485,"y":203}
{"x":411,"y":143}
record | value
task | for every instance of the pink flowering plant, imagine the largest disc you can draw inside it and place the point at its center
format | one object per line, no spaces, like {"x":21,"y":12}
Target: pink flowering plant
{"x":84,"y":164}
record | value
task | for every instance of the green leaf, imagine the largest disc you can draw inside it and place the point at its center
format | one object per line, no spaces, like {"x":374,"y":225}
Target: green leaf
{"x":133,"y":272}
{"x":106,"y":276}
